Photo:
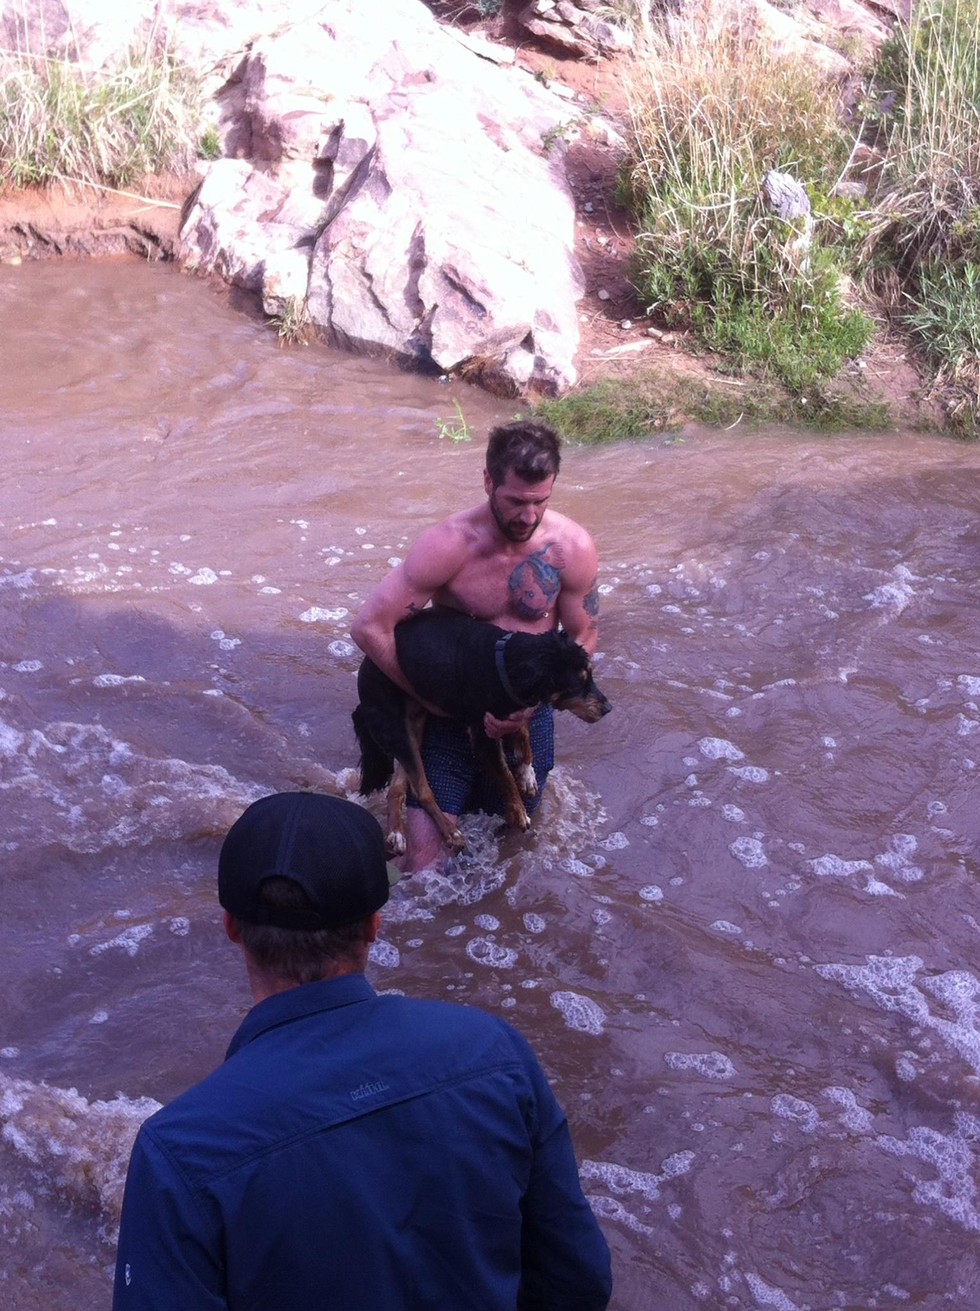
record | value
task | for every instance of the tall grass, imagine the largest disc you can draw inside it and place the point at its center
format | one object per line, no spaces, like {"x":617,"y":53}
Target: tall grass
{"x":713,"y":109}
{"x":112,"y":127}
{"x":923,"y":248}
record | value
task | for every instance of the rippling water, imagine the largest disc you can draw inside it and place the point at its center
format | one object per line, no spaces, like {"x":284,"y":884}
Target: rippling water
{"x":744,"y":929}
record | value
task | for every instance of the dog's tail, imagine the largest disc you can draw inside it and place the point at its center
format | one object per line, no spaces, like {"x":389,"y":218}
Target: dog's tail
{"x":377,"y":766}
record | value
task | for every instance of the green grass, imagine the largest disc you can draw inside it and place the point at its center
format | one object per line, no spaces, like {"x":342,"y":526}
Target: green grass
{"x":653,"y":404}
{"x":922,"y":248}
{"x":714,"y":108}
{"x":60,"y":122}
{"x":454,"y":430}
{"x":713,"y":112}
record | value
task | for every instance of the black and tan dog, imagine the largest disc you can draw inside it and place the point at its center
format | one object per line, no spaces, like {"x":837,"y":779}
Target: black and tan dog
{"x":465,"y":667}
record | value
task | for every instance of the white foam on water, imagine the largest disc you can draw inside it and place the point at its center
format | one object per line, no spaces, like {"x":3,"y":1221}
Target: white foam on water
{"x":620,"y":1181}
{"x":611,"y":1208}
{"x":896,"y":595}
{"x":749,"y":852}
{"x":891,"y":982}
{"x":836,"y":867}
{"x":385,"y":954}
{"x":733,"y":814}
{"x":725,"y":926}
{"x":22,"y":582}
{"x":580,"y":1013}
{"x":534,"y":923}
{"x":767,"y":1296}
{"x":489,"y":923}
{"x":341,"y":650}
{"x":801,"y":1113}
{"x":853,"y":1115}
{"x":128,"y":941}
{"x":131,"y":799}
{"x":615,"y":842}
{"x":203,"y":578}
{"x":751,"y":773}
{"x":484,"y":951}
{"x":970,"y":684}
{"x":80,"y":1147}
{"x":225,"y":642}
{"x":318,"y":614}
{"x":116,"y":680}
{"x":719,"y":748}
{"x":711,"y":1065}
{"x":956,"y":1161}
{"x":652,"y":893}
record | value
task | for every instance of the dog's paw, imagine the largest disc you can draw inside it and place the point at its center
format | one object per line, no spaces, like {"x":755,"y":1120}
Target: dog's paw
{"x":527,"y":780}
{"x":394,"y":844}
{"x":517,"y":817}
{"x":455,"y":842}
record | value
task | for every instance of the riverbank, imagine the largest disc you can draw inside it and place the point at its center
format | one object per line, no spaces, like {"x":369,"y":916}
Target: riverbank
{"x":620,"y":347}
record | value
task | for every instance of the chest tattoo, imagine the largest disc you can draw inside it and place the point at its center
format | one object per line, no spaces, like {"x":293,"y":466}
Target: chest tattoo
{"x":535,"y":583}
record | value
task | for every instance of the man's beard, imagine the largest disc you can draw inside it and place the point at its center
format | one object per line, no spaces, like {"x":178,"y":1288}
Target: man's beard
{"x":514,"y":532}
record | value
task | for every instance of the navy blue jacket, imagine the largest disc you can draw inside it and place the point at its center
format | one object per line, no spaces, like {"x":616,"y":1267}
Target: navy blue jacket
{"x":361,"y":1153}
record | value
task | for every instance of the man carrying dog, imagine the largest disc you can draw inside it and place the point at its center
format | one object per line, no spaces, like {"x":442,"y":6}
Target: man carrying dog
{"x":511,"y":560}
{"x":354,"y":1150}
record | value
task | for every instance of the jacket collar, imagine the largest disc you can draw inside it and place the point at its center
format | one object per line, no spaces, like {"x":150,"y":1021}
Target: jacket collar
{"x":299,"y":1002}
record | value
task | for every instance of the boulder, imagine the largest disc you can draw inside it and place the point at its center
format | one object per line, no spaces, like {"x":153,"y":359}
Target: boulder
{"x":420,"y":185}
{"x":578,"y":27}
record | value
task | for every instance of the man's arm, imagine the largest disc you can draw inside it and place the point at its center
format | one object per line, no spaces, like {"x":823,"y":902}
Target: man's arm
{"x":164,"y":1261}
{"x":565,"y":1263}
{"x":431,"y":562}
{"x":578,"y":600}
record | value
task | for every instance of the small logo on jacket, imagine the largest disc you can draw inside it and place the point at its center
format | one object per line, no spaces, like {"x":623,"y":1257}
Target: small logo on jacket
{"x":369,"y":1090}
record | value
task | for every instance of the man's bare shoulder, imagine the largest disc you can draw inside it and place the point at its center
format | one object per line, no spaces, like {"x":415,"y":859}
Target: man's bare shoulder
{"x":570,"y":530}
{"x":456,"y":532}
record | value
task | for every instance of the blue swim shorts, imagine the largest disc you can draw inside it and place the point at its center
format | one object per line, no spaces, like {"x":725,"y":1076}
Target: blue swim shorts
{"x":458,"y":785}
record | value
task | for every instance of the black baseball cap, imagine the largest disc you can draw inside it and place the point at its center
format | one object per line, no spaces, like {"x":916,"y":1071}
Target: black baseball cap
{"x":332,"y":848}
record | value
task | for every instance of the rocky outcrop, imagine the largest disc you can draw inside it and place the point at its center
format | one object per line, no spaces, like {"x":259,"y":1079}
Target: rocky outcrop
{"x":579,"y":27}
{"x":409,"y":193}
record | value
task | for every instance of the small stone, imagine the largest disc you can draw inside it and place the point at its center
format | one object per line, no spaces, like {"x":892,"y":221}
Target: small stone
{"x":603,"y":294}
{"x":588,"y":207}
{"x":626,"y":323}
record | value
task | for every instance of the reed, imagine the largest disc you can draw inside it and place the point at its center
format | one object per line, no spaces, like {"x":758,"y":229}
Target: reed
{"x":922,"y":250}
{"x":713,"y":108}
{"x":62,"y":122}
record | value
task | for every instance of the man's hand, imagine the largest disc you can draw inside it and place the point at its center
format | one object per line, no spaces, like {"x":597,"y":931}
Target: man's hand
{"x":498,"y":728}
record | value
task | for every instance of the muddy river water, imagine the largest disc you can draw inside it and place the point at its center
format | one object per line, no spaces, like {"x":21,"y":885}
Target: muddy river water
{"x":744,"y":932}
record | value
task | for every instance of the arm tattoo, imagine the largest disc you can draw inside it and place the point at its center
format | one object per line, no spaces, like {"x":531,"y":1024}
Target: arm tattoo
{"x":590,"y":602}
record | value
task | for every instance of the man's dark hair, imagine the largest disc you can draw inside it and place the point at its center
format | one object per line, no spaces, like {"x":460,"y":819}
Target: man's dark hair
{"x":299,"y":956}
{"x":530,"y":448}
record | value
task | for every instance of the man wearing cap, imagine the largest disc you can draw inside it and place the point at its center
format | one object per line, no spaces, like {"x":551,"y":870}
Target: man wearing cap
{"x":354,"y":1151}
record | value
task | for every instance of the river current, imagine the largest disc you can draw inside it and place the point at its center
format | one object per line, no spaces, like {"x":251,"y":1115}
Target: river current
{"x":743,"y":933}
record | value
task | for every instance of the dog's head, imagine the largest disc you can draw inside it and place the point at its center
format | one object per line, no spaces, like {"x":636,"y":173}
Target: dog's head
{"x":575,"y":688}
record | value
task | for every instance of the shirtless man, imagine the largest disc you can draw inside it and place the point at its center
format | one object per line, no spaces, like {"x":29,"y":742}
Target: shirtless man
{"x":510,"y":560}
